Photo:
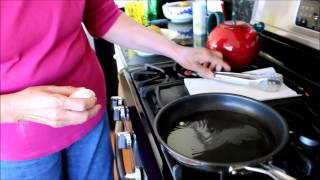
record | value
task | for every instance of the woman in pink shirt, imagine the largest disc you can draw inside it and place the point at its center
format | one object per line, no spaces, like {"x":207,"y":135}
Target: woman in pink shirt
{"x":45,"y":57}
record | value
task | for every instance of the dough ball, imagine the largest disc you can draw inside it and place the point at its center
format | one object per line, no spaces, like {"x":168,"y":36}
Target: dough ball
{"x":83,"y":93}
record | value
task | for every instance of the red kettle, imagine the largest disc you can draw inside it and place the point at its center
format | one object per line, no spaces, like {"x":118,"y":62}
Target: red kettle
{"x":237,"y":40}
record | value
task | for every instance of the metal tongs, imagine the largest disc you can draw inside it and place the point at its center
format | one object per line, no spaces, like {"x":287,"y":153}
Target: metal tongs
{"x":266,"y":82}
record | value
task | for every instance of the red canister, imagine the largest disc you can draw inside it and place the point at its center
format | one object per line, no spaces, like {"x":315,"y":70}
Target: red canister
{"x":238,"y":42}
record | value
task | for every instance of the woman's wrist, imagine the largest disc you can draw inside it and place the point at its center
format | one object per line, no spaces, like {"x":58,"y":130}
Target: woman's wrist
{"x":174,"y":51}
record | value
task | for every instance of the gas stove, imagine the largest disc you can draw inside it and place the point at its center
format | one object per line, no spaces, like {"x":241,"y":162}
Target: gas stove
{"x":160,"y":83}
{"x":156,"y":81}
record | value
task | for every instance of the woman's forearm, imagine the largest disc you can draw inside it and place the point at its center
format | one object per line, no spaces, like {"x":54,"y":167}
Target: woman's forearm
{"x":127,"y":33}
{"x":6,"y":108}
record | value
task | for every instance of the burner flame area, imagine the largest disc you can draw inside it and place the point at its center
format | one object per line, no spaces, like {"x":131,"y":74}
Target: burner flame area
{"x":182,"y":72}
{"x":149,"y":75}
{"x":152,"y":74}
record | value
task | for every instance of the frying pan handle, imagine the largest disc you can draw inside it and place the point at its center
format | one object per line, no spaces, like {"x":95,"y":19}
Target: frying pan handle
{"x":272,"y":171}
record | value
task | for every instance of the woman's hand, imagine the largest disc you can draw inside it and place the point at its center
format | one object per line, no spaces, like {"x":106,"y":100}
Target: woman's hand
{"x":50,"y":105}
{"x":201,"y":60}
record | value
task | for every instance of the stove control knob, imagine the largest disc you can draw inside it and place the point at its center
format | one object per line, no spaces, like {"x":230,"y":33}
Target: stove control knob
{"x":117,"y":101}
{"x":124,"y":140}
{"x":303,"y":22}
{"x":120,"y":113}
{"x":316,"y":16}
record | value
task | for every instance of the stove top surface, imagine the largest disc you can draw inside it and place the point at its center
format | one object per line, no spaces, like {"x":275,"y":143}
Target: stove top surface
{"x":160,"y":83}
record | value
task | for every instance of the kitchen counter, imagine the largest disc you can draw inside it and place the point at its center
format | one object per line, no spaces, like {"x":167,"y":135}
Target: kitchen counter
{"x":129,"y":58}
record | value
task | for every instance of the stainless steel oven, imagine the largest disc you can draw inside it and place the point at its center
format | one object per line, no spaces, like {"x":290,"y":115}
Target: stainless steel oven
{"x":295,"y":19}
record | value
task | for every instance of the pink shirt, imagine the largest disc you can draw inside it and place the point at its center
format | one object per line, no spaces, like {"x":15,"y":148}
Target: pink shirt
{"x":43,"y":43}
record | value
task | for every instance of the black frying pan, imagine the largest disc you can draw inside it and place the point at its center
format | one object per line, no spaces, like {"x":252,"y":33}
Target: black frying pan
{"x":222,"y":133}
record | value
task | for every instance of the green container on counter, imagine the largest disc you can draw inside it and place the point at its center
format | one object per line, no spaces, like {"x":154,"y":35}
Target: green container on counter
{"x":152,"y":9}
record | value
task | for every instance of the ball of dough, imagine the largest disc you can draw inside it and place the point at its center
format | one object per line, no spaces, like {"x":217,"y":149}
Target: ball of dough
{"x":83,"y":93}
